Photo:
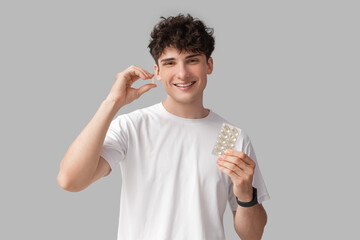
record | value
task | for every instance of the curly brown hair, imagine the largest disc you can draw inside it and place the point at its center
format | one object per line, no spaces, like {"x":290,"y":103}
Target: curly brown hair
{"x":184,"y":33}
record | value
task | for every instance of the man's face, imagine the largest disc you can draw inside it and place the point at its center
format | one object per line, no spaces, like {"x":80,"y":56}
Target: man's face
{"x":184,"y":75}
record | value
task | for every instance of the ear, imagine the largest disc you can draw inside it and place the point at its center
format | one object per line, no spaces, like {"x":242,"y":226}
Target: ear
{"x":157,"y":72}
{"x":210,"y":65}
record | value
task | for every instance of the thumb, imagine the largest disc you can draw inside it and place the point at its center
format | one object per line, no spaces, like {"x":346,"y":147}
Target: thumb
{"x":145,"y":88}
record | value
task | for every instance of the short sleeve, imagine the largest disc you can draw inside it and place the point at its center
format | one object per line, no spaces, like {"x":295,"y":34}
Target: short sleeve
{"x":116,"y":141}
{"x":258,"y":181}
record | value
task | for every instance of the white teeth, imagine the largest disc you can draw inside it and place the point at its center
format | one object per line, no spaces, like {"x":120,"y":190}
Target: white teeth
{"x":184,"y":85}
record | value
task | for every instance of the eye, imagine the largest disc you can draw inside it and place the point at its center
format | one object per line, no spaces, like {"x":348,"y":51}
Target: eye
{"x":168,"y":63}
{"x":193,"y":60}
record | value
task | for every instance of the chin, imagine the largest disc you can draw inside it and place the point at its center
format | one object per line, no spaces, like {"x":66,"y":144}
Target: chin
{"x":185,"y":100}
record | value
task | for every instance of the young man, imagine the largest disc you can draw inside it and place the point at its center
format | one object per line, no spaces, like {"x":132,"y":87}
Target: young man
{"x":173,"y":187}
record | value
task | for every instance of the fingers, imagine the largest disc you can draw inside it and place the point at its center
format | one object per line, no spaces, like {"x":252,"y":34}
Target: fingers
{"x":240,"y":165}
{"x":233,"y":164}
{"x":241,"y":155}
{"x":122,"y":93}
{"x":143,"y":89}
{"x":230,"y":169}
{"x":135,"y":71}
{"x":233,"y":160}
{"x":143,"y":74}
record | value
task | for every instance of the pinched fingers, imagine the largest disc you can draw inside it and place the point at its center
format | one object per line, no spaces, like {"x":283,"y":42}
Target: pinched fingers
{"x":122,"y":92}
{"x":134,"y":70}
{"x":143,"y":89}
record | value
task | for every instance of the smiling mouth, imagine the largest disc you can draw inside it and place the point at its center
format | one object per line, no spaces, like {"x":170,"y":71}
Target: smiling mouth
{"x":184,"y":85}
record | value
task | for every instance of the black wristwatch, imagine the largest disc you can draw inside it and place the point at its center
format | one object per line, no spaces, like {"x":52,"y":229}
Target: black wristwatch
{"x":253,"y":202}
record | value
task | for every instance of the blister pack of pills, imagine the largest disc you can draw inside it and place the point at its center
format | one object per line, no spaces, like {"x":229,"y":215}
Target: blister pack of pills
{"x":227,"y":138}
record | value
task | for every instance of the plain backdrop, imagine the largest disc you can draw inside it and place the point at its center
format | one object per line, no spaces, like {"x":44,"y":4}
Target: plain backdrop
{"x":286,"y":72}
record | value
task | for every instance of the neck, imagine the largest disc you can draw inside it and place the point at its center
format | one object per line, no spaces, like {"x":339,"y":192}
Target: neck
{"x":193,"y":110}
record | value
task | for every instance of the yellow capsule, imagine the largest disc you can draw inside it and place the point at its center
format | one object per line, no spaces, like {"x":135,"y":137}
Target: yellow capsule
{"x":221,"y":146}
{"x":218,"y":150}
{"x":224,"y":134}
{"x":229,"y":146}
{"x":235,"y":132}
{"x":222,"y":139}
{"x":227,"y":128}
{"x":232,"y":137}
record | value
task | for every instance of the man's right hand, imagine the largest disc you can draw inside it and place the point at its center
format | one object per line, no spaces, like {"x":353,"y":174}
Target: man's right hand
{"x":122,"y":93}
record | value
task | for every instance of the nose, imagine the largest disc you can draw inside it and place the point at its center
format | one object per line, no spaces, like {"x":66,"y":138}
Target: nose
{"x":182,"y":71}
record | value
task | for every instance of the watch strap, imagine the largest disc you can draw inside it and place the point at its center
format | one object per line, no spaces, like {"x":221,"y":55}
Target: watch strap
{"x":253,"y":202}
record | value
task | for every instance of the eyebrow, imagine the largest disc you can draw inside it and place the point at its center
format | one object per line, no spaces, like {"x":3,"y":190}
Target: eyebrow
{"x":190,"y":56}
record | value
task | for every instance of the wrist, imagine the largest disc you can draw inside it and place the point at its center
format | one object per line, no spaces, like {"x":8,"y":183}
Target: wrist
{"x":250,"y":203}
{"x":112,"y":105}
{"x":245,"y":196}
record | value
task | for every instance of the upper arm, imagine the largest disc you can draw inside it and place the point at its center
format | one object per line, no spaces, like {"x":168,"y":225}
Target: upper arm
{"x":103,"y":169}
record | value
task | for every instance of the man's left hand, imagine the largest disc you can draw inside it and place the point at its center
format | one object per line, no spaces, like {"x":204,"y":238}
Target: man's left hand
{"x":240,"y":168}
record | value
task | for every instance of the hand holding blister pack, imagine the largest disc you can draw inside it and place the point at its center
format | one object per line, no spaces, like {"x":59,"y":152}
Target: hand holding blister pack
{"x":227,"y":138}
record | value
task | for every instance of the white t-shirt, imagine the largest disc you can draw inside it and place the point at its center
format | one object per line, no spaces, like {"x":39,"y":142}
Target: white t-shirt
{"x":171,"y":186}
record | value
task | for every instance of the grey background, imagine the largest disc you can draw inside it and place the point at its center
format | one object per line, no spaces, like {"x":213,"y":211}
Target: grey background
{"x":286,"y":72}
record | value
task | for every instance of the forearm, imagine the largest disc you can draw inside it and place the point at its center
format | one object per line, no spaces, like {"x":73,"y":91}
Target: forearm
{"x":82,"y":157}
{"x":250,"y":222}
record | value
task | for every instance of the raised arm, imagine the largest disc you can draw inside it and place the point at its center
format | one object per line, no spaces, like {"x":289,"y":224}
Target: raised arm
{"x":82,"y":164}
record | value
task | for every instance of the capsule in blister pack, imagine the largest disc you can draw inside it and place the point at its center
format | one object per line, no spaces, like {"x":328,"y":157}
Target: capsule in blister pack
{"x":227,"y":138}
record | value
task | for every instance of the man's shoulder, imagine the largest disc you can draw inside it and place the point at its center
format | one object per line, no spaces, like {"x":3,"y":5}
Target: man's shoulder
{"x":220,"y":119}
